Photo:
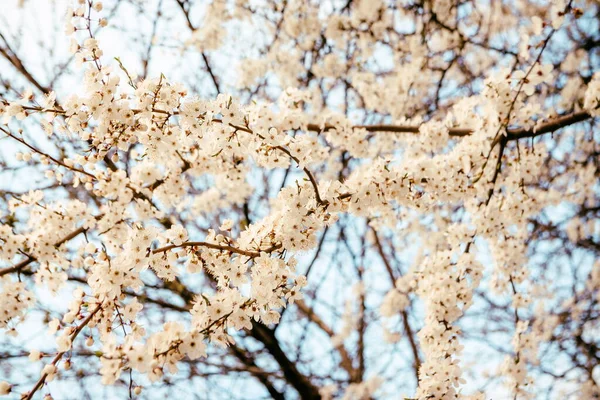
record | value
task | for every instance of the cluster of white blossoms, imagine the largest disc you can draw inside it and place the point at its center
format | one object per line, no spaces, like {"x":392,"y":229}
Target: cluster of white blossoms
{"x":172,"y":139}
{"x":17,"y":299}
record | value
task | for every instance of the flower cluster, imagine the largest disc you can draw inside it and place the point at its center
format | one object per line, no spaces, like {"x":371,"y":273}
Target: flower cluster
{"x":160,"y":184}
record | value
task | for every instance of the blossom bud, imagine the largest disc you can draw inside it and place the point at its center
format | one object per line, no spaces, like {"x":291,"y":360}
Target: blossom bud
{"x":5,"y":388}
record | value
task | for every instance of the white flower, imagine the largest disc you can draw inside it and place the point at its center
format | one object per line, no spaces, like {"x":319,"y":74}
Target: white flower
{"x":538,"y":74}
{"x":139,"y":359}
{"x":5,"y":388}
{"x":63,"y":343}
{"x":193,"y":346}
{"x":536,"y":25}
{"x":50,"y":371}
{"x":226,"y":225}
{"x":35,"y":355}
{"x":177,"y":235}
{"x":393,"y":303}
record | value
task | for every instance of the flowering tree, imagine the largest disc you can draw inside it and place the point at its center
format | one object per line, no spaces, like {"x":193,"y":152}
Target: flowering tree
{"x":300,"y":199}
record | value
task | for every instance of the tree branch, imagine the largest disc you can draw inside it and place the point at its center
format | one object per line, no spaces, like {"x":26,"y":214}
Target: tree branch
{"x":57,"y":358}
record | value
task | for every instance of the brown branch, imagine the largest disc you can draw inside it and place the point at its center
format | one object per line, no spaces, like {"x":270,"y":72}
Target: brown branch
{"x":548,"y":127}
{"x":293,"y":376}
{"x":20,"y":266}
{"x":58,"y":356}
{"x":146,"y":60}
{"x":513,"y":134}
{"x":391,"y":129}
{"x":346,"y":361}
{"x":407,"y":328}
{"x":213,"y":77}
{"x":309,"y":174}
{"x":9,"y":54}
{"x":54,"y":160}
{"x":254,"y":370}
{"x":210,"y":72}
{"x":267,"y":337}
{"x":215,"y":246}
{"x":238,"y":352}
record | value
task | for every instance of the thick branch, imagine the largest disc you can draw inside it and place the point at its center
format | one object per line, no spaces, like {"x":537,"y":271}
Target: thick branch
{"x":256,"y":371}
{"x":295,"y":378}
{"x":214,"y":246}
{"x":267,"y":337}
{"x":548,"y":127}
{"x":513,"y":134}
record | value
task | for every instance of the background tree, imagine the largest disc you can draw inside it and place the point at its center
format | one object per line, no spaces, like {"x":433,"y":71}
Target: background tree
{"x":299,"y":199}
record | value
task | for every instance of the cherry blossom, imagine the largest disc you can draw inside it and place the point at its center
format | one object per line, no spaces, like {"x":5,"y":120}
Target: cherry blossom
{"x":448,"y":148}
